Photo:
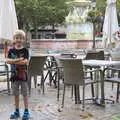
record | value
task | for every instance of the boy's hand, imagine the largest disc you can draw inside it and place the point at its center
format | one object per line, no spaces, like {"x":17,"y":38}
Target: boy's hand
{"x":22,"y":62}
{"x":21,"y":58}
{"x":18,"y":59}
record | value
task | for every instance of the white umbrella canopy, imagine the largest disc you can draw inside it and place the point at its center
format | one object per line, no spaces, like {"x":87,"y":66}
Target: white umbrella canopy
{"x":110,"y":26}
{"x":8,"y":19}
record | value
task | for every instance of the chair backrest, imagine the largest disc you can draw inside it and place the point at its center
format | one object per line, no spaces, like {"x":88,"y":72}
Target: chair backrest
{"x":58,"y":61}
{"x":115,"y":56}
{"x":97,"y":55}
{"x":73,"y":71}
{"x":36,"y":65}
{"x":67,"y":55}
{"x":3,"y":68}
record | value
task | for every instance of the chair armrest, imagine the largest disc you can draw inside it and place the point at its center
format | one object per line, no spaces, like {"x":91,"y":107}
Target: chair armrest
{"x":111,"y":68}
{"x":89,"y":71}
{"x":3,"y":65}
{"x":92,"y":82}
{"x":59,"y":67}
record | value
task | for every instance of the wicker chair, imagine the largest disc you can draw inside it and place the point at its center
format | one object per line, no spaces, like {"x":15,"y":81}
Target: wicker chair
{"x":74,"y":76}
{"x":96,"y":55}
{"x":5,"y":72}
{"x":35,"y":68}
{"x":114,"y":79}
{"x":114,"y":69}
{"x":59,"y":70}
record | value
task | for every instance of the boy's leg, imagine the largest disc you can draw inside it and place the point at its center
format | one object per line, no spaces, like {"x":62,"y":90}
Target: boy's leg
{"x":16,"y":102}
{"x":25,"y":98}
{"x":24,"y":90}
{"x":15,"y":88}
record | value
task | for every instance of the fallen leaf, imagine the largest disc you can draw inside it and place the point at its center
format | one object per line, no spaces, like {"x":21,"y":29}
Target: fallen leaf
{"x":86,"y":115}
{"x":111,"y":96}
{"x":90,"y":115}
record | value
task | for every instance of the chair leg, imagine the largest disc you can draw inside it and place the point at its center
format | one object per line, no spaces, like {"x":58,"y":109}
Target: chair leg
{"x":112,"y":86}
{"x":58,"y":88}
{"x":63,"y":96}
{"x":42,"y":83}
{"x":50,"y":77}
{"x":8,"y":83}
{"x":83,"y":105}
{"x":118,"y":87}
{"x":72,"y":92}
{"x":112,"y":75}
{"x":77,"y":94}
{"x":54,"y":79}
{"x":35,"y":81}
{"x":92,"y":85}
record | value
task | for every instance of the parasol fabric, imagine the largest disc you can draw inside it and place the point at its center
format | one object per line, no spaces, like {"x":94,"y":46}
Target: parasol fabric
{"x":110,"y":26}
{"x":8,"y":19}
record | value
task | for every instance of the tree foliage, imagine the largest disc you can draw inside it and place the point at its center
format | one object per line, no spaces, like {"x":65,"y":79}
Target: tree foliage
{"x":94,"y":17}
{"x":36,"y":13}
{"x":101,"y":4}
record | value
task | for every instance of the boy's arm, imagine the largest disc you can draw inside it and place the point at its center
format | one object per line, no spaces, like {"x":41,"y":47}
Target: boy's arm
{"x":12,"y":61}
{"x":22,"y":62}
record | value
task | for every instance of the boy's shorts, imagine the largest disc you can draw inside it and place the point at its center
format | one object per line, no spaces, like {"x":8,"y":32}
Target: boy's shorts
{"x":20,"y":86}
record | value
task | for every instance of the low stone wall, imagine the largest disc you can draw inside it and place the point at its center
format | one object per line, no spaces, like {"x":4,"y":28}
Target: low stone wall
{"x":63,"y":44}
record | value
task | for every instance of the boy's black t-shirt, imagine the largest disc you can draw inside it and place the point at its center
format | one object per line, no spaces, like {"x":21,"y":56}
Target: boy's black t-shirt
{"x":17,"y":53}
{"x":19,"y":72}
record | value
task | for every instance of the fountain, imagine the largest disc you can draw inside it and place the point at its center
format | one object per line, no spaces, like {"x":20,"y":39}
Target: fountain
{"x":77,"y":27}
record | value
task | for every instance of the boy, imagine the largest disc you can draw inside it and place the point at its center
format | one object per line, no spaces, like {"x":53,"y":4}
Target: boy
{"x":18,"y":58}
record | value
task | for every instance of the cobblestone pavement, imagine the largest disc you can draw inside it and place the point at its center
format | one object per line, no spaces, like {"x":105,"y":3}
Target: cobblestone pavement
{"x":46,"y":107}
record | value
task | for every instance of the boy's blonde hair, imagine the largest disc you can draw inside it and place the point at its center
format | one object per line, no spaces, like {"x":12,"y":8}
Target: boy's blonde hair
{"x":19,"y":32}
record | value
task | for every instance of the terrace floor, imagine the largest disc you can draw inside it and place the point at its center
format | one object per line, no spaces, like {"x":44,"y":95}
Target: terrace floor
{"x":46,"y":107}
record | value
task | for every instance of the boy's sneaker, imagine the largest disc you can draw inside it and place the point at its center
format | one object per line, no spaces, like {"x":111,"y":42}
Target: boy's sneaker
{"x":26,"y":116}
{"x":15,"y":115}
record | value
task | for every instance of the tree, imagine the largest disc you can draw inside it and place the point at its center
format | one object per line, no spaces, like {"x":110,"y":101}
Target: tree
{"x":36,"y":13}
{"x":101,"y":6}
{"x":24,"y":10}
{"x":94,"y":18}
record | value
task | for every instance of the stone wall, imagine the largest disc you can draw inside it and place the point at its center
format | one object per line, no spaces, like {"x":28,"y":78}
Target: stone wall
{"x":63,"y":44}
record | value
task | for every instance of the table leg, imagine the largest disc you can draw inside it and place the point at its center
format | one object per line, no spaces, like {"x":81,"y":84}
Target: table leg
{"x":102,"y":86}
{"x":97,"y":85}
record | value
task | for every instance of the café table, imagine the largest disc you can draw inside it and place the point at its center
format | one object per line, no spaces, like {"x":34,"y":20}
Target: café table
{"x":101,"y":64}
{"x":45,"y":54}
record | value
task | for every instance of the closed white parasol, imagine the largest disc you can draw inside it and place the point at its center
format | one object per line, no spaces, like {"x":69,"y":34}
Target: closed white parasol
{"x":8,"y":19}
{"x":110,"y":26}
